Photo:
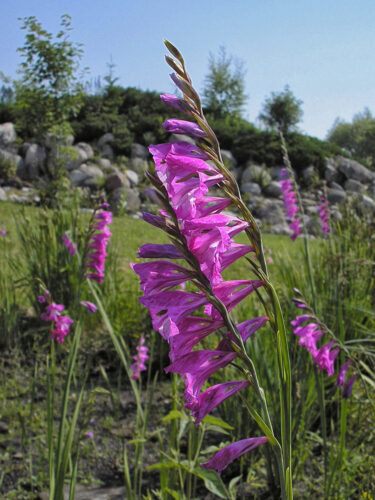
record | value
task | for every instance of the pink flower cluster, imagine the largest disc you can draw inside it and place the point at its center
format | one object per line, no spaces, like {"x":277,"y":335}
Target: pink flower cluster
{"x":324,"y":216}
{"x":203,"y":237}
{"x":310,"y":332}
{"x":61,"y":324}
{"x":140,"y":359}
{"x":98,"y":245}
{"x":290,"y":202}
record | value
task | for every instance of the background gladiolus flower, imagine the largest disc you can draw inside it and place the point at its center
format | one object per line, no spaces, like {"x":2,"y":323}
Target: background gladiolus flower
{"x":348,"y":387}
{"x":98,"y":244}
{"x":226,"y":455}
{"x":324,"y":216}
{"x":61,"y":323}
{"x":342,"y":374}
{"x":91,"y":308}
{"x":140,"y":359}
{"x":290,"y":203}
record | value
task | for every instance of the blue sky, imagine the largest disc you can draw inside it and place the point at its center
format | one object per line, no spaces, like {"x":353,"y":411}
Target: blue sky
{"x":323,"y":49}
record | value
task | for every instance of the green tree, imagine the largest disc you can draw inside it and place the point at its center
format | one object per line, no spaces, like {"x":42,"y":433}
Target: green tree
{"x":48,"y":93}
{"x":224,"y":90}
{"x":281,"y":111}
{"x":357,"y":138}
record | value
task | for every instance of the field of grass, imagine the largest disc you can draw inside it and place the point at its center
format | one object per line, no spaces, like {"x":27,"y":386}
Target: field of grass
{"x":332,"y":450}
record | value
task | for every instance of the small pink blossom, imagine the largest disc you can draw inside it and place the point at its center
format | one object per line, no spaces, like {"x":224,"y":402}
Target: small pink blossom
{"x":140,"y":360}
{"x":91,"y":308}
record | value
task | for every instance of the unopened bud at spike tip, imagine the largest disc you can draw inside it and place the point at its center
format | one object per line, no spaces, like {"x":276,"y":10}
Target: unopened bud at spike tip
{"x":172,"y":49}
{"x":175,"y":65}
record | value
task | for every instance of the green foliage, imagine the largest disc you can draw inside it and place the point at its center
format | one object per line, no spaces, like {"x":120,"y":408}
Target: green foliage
{"x":43,"y":258}
{"x":224,"y":90}
{"x":7,"y":167}
{"x":48,"y":93}
{"x":282,"y":111}
{"x":129,"y":113}
{"x":357,"y":138}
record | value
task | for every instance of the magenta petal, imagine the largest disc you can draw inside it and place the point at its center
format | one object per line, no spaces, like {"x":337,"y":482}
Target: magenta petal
{"x":151,"y":251}
{"x":160,"y":275}
{"x":175,"y":102}
{"x":348,"y":387}
{"x":325,"y":358}
{"x":91,"y":308}
{"x":300,"y":320}
{"x":189,"y":333}
{"x":226,"y":455}
{"x":213,"y":396}
{"x":197,"y":367}
{"x":234,"y":252}
{"x":232,"y":293}
{"x":176,"y":305}
{"x":309,"y":336}
{"x":174,"y":126}
{"x":247,"y":328}
{"x":342,"y":374}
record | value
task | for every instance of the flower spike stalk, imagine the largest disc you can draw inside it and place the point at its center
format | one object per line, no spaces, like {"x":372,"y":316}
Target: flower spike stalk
{"x":202,"y":235}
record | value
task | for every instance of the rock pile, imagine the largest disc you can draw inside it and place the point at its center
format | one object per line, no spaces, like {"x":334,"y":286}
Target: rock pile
{"x":95,"y":166}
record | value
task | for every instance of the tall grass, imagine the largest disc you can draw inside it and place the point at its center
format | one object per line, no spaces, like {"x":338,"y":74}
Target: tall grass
{"x":344,"y":276}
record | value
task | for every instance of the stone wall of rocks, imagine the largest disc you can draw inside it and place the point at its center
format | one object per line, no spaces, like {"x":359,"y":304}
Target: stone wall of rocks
{"x":95,"y":166}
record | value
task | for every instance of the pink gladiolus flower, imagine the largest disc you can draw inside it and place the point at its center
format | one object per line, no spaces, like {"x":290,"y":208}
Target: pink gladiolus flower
{"x":89,"y":435}
{"x":340,"y":381}
{"x":41,"y":299}
{"x":309,"y":336}
{"x":61,"y":323}
{"x":160,"y":275}
{"x":61,"y":330}
{"x":325,"y":358}
{"x":151,"y":251}
{"x":52,"y":312}
{"x":295,"y":226}
{"x":213,"y":396}
{"x":3,"y":231}
{"x":197,"y":367}
{"x":226,"y":455}
{"x":348,"y":387}
{"x":140,"y":359}
{"x":91,"y":308}
{"x":174,"y":126}
{"x":70,"y":246}
{"x":202,"y":235}
{"x":175,"y":102}
{"x":300,"y":320}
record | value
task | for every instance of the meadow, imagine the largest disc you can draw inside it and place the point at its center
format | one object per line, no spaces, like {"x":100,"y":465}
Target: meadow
{"x":118,"y":431}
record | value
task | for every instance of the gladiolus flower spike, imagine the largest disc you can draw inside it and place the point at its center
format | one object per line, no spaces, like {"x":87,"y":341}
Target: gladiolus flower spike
{"x":324,"y":216}
{"x":95,"y":260}
{"x":310,"y":330}
{"x":140,"y":359}
{"x":201,"y":234}
{"x":290,"y":203}
{"x":60,"y":324}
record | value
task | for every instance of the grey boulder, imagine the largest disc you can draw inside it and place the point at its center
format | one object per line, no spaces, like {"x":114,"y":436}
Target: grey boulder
{"x":7,"y":134}
{"x":354,"y":170}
